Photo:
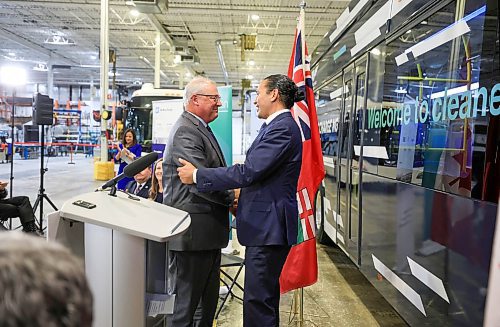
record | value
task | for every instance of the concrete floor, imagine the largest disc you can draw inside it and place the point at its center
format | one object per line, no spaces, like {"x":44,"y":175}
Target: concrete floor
{"x":341,"y":297}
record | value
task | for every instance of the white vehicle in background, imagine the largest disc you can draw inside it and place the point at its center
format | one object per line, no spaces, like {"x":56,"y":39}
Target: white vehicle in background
{"x":139,"y":112}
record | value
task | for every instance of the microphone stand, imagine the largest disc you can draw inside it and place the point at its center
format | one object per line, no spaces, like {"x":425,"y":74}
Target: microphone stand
{"x":112,"y":192}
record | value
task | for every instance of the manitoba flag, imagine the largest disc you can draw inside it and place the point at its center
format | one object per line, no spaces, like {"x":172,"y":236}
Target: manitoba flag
{"x":301,"y":266}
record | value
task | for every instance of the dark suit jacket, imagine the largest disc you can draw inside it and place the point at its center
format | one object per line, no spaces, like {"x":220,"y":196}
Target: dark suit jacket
{"x":267,"y":208}
{"x":143,"y":193}
{"x":190,"y":140}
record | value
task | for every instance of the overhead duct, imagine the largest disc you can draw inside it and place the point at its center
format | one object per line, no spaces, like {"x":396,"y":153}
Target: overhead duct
{"x":150,"y":6}
{"x":220,"y":56}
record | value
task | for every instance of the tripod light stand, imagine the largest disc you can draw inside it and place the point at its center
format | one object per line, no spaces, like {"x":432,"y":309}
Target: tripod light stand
{"x":12,"y":76}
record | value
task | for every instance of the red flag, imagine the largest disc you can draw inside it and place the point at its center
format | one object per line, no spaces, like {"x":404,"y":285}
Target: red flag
{"x":301,"y":266}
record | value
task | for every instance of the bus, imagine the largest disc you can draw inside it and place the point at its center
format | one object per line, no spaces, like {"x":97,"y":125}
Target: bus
{"x":407,"y":98}
{"x":139,"y":112}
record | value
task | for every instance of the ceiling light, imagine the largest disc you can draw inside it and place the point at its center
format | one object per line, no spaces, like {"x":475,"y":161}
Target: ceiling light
{"x":93,"y":57}
{"x":134,"y":12}
{"x":401,"y":90}
{"x":59,"y":40}
{"x":251,"y":62}
{"x":188,"y":75}
{"x":40,"y":68}
{"x":408,"y":31}
{"x":12,"y":75}
{"x":249,"y":76}
{"x":375,"y":52}
{"x":255,"y":17}
{"x":12,"y":54}
{"x":177,"y":59}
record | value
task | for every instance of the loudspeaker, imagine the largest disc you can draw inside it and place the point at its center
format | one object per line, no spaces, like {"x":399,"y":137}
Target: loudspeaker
{"x":31,"y":133}
{"x":43,"y":110}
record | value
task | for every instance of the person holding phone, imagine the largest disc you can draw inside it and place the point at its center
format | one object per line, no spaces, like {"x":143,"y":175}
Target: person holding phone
{"x":128,"y":150}
{"x":17,"y":206}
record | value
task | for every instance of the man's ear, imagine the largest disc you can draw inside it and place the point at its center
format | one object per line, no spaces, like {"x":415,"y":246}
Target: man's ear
{"x":274,"y":95}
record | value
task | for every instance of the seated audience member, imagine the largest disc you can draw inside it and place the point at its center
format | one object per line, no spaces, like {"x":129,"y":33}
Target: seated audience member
{"x":141,"y":184}
{"x":156,"y":191}
{"x":17,"y":206}
{"x":42,"y":284}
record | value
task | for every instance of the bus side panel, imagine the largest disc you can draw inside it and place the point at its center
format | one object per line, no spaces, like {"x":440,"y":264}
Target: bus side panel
{"x":438,"y":244}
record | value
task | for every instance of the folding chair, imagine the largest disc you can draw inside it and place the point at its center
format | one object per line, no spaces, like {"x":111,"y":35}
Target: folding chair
{"x":229,"y":260}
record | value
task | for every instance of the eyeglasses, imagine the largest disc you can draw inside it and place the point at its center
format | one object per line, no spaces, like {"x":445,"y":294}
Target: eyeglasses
{"x":213,"y":97}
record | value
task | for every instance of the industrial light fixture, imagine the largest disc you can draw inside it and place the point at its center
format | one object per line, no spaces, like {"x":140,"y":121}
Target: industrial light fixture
{"x":12,"y":54}
{"x":401,"y":90}
{"x":40,"y":67}
{"x":134,"y":12}
{"x":255,"y":17}
{"x":59,"y":40}
{"x":250,"y":77}
{"x":251,"y":62}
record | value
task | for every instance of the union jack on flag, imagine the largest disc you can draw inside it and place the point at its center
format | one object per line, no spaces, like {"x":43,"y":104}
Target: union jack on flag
{"x":301,"y":266}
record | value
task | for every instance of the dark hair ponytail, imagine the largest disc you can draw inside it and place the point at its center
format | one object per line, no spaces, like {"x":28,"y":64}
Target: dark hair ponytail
{"x":288,"y":91}
{"x":299,"y":96}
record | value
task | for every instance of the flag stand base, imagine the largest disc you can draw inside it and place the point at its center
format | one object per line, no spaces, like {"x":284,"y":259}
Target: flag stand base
{"x":296,"y":313}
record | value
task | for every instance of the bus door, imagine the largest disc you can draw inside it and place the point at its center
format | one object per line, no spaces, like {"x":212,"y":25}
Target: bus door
{"x":329,"y":110}
{"x":349,"y":218}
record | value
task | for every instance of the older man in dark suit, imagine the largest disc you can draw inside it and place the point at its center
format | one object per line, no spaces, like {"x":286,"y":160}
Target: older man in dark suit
{"x":141,"y":184}
{"x":194,"y":258}
{"x":267,"y":215}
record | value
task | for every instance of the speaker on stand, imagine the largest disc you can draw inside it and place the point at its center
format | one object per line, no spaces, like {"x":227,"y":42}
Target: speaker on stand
{"x":43,"y":115}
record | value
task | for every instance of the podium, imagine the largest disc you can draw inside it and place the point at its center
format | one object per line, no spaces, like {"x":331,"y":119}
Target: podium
{"x":114,"y":239}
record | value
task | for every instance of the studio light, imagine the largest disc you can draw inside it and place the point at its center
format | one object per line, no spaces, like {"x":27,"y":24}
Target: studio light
{"x":12,"y":75}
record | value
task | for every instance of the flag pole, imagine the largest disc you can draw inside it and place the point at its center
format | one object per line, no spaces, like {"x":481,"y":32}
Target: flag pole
{"x":303,"y":49}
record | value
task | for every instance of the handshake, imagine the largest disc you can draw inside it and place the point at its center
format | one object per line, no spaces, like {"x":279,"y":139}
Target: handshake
{"x":234,"y":207}
{"x":186,"y":172}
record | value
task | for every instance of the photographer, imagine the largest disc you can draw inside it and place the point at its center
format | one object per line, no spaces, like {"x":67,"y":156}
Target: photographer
{"x":17,"y":206}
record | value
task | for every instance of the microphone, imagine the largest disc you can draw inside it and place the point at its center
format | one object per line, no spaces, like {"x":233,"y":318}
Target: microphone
{"x":132,"y":169}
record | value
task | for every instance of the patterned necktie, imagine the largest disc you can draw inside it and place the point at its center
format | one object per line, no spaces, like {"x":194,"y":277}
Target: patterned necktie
{"x":138,"y":189}
{"x":210,"y":131}
{"x":262,"y":129}
{"x":215,"y":139}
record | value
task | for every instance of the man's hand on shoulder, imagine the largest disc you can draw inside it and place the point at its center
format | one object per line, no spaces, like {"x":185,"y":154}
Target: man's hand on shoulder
{"x":186,"y":171}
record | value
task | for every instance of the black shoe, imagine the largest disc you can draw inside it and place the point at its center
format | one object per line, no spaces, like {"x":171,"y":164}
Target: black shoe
{"x":31,"y":228}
